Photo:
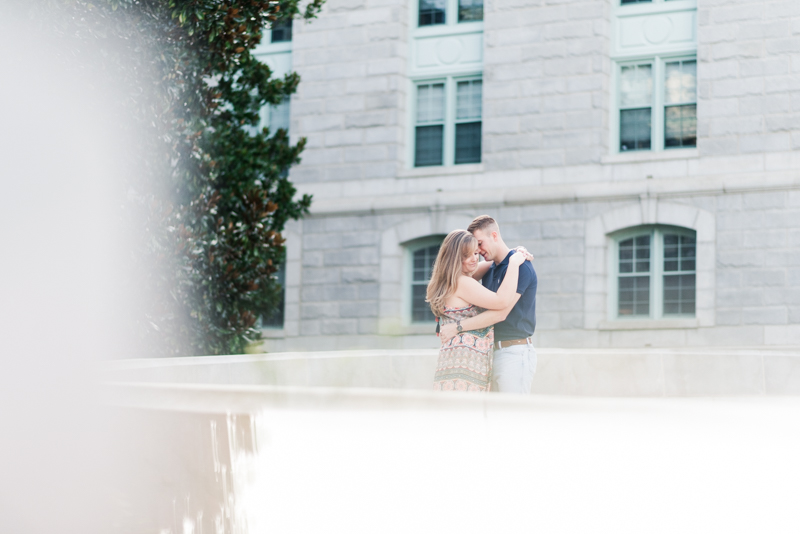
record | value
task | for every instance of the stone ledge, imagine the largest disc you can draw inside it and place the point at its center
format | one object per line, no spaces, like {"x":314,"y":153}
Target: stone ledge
{"x":401,"y":201}
{"x":678,"y":372}
{"x":647,"y":324}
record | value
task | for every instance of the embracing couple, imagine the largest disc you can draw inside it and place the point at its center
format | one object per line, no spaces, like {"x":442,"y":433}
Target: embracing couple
{"x":486,"y":312}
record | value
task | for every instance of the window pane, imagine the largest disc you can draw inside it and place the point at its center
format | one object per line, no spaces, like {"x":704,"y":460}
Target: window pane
{"x":626,"y":256}
{"x":634,"y":129}
{"x":468,"y":142}
{"x":681,"y":82}
{"x":431,"y":12}
{"x":634,"y":295}
{"x":428,"y":146}
{"x":423,"y":260}
{"x":687,"y":253}
{"x":680,"y":126}
{"x":623,"y":2}
{"x":279,"y":116}
{"x":423,"y":263}
{"x":281,"y":32}
{"x":274,"y":318}
{"x":634,"y":291}
{"x":469,"y":10}
{"x":430,"y":103}
{"x":636,"y":86}
{"x":679,"y":294}
{"x":642,"y":254}
{"x":679,"y":253}
{"x":468,"y":99}
{"x":420,"y":310}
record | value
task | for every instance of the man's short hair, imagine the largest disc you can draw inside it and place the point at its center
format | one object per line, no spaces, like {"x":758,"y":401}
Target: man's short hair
{"x":482,"y":223}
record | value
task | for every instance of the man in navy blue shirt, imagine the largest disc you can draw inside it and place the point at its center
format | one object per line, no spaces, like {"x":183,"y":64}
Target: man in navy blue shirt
{"x":514,"y":354}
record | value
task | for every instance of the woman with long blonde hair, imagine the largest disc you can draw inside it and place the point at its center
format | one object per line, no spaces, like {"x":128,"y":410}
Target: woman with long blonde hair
{"x":465,"y":361}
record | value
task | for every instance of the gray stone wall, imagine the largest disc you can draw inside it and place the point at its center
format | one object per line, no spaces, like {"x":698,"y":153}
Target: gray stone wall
{"x":546,"y":80}
{"x":546,"y":172}
{"x":749,"y":81}
{"x":758,"y":265}
{"x":347,"y":289}
{"x":340,"y":273}
{"x":350,"y":104}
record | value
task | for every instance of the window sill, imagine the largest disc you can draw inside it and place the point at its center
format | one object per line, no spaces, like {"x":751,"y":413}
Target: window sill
{"x":273,"y":333}
{"x":441,"y":170}
{"x":650,"y":8}
{"x":438,"y":30}
{"x":419,"y":328}
{"x":273,"y":48}
{"x":648,"y":324}
{"x":647,"y":156}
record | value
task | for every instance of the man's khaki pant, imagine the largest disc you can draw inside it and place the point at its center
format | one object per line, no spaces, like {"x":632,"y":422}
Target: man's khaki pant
{"x":513,"y":368}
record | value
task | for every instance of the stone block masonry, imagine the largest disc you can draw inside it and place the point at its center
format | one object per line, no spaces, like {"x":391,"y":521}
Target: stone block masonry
{"x":748,"y":65}
{"x":549,"y":174}
{"x":546,"y":81}
{"x":351,"y":102}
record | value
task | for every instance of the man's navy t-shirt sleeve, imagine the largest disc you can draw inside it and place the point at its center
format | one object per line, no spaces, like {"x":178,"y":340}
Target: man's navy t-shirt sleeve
{"x":525,"y":278}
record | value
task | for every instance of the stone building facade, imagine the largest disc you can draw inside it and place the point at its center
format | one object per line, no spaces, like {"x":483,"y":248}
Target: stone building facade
{"x":646,"y":152}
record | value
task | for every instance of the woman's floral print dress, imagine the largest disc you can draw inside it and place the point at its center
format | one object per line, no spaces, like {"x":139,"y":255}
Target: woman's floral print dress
{"x":465,"y":362}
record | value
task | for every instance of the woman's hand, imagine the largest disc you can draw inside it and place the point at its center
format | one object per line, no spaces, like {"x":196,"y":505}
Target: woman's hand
{"x":447,"y":332}
{"x":516,"y":259}
{"x":524,"y":251}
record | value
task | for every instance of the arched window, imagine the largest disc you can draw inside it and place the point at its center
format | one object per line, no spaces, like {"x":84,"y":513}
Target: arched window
{"x":421,"y":255}
{"x":654,"y":272}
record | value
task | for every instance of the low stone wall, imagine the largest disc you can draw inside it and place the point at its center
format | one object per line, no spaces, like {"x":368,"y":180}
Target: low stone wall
{"x":590,"y":372}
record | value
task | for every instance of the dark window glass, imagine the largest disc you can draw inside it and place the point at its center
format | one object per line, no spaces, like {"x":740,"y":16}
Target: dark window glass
{"x":680,"y":98}
{"x":680,"y":126}
{"x":679,"y":253}
{"x":282,"y":31}
{"x":634,"y":255}
{"x":431,"y":12}
{"x":429,"y":146}
{"x":679,"y":286}
{"x":634,"y":129}
{"x":679,"y":294}
{"x":623,"y":2}
{"x":429,"y":133}
{"x":634,"y":295}
{"x":468,"y":142}
{"x":469,"y":107}
{"x":635,"y":103}
{"x":470,"y":10}
{"x":421,"y":275}
{"x":274,"y":318}
{"x":634,"y":289}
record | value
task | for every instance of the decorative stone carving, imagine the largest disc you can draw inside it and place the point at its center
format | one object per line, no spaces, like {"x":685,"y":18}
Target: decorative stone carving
{"x":654,"y":33}
{"x":656,"y":29}
{"x":451,"y":52}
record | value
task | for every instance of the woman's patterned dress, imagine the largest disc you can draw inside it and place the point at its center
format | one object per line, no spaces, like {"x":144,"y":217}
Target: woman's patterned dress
{"x":465,"y":362}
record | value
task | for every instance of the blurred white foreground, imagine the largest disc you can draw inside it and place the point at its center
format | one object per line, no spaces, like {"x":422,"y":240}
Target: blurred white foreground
{"x":298,"y":458}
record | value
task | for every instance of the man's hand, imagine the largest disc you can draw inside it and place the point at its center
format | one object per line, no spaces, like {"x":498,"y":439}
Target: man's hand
{"x":447,"y":332}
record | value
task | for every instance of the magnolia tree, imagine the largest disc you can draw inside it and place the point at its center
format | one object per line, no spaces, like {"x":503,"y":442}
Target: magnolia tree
{"x":208,"y":195}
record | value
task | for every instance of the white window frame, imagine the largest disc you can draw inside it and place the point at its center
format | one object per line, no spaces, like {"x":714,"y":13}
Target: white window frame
{"x":657,"y":55}
{"x":657,"y":105}
{"x":625,"y":6}
{"x":656,"y":272}
{"x":449,"y":141}
{"x":408,"y":274}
